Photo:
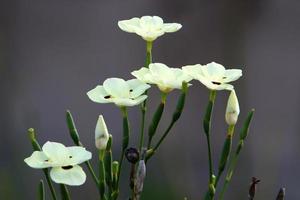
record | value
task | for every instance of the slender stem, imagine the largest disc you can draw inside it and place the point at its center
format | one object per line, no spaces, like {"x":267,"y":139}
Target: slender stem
{"x":126,"y":133}
{"x":49,"y":182}
{"x":207,"y":129}
{"x":225,"y":152}
{"x":65,"y":194}
{"x":156,"y":118}
{"x":90,"y":169}
{"x":176,"y":115}
{"x":41,"y":190}
{"x":144,"y":104}
{"x":164,"y":135}
{"x":102,"y":174}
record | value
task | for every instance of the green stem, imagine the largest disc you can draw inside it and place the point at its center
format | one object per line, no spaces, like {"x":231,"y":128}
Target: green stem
{"x":65,"y":194}
{"x":90,"y":169}
{"x":225,"y":152}
{"x":75,"y":137}
{"x":102,"y":174}
{"x":36,"y":147}
{"x":207,"y":130}
{"x":126,"y":132}
{"x":176,"y":115}
{"x":144,"y":104}
{"x":41,"y":190}
{"x":233,"y":161}
{"x":156,"y":118}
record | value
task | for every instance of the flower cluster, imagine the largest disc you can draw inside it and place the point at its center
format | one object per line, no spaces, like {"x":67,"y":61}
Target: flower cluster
{"x":64,"y":161}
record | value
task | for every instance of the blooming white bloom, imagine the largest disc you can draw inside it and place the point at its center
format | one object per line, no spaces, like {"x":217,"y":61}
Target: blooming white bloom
{"x":213,"y":75}
{"x":148,"y":27}
{"x":232,"y":109}
{"x":63,"y":161}
{"x":120,"y":92}
{"x":101,"y":134}
{"x":164,"y":77}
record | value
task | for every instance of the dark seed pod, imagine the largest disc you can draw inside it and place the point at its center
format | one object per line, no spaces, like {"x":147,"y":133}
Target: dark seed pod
{"x":132,"y":155}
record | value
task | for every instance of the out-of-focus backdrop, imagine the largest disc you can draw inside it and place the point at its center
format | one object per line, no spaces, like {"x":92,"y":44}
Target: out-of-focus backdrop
{"x":53,"y":52}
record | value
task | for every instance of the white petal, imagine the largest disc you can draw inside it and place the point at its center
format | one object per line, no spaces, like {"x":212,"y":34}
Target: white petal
{"x":143,"y":75}
{"x":130,"y":102}
{"x":77,"y":155}
{"x":116,"y":87}
{"x":56,"y":152}
{"x":213,"y":70}
{"x":232,"y":75}
{"x":129,"y":25}
{"x":193,"y":70}
{"x":98,"y":95}
{"x":171,"y":27}
{"x":137,"y":87}
{"x":73,"y":176}
{"x":38,"y":160}
{"x":160,"y":69}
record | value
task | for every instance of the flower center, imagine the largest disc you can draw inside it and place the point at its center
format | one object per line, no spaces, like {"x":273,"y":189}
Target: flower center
{"x":67,"y":167}
{"x":216,"y":83}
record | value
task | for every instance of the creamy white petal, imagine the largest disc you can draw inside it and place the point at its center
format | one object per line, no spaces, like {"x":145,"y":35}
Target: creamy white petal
{"x":98,"y":95}
{"x":193,"y":70}
{"x":213,"y":70}
{"x":38,"y":160}
{"x":232,"y":75}
{"x":130,"y":102}
{"x":77,"y":155}
{"x":130,"y":25}
{"x":56,"y":152}
{"x":69,"y":175}
{"x":116,"y":87}
{"x":137,"y":87}
{"x":160,"y":69}
{"x":171,"y":27}
{"x":143,"y":75}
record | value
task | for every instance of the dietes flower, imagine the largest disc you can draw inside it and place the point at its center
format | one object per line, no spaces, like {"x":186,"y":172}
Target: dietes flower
{"x":63,"y":161}
{"x":164,"y":77}
{"x":101,"y":134}
{"x":213,"y":75}
{"x":148,"y":27}
{"x":120,"y":92}
{"x":232,"y":109}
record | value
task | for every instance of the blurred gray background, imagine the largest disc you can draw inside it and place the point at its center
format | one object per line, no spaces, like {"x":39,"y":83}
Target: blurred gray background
{"x":53,"y":52}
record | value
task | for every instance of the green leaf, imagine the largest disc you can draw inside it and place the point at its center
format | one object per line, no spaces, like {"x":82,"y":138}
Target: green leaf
{"x":41,"y":190}
{"x":72,"y":128}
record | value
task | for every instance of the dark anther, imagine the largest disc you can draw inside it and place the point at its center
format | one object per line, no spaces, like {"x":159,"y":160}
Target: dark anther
{"x":252,"y":188}
{"x":132,"y":155}
{"x":70,"y":156}
{"x":224,"y":77}
{"x":130,"y":90}
{"x":67,"y":167}
{"x":46,"y":160}
{"x":107,"y":97}
{"x":216,"y":83}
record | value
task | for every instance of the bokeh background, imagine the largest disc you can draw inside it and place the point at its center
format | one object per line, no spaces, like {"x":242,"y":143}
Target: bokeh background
{"x":53,"y":52}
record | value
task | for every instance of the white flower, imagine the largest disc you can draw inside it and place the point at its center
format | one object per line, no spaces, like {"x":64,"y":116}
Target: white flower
{"x":63,"y":161}
{"x":148,"y":27}
{"x":120,"y":92}
{"x":164,"y":77}
{"x":101,"y":134}
{"x":213,"y":75}
{"x":232,"y":109}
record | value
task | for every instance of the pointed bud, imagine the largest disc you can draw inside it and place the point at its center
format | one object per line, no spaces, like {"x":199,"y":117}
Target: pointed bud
{"x":232,"y":109}
{"x":101,"y":134}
